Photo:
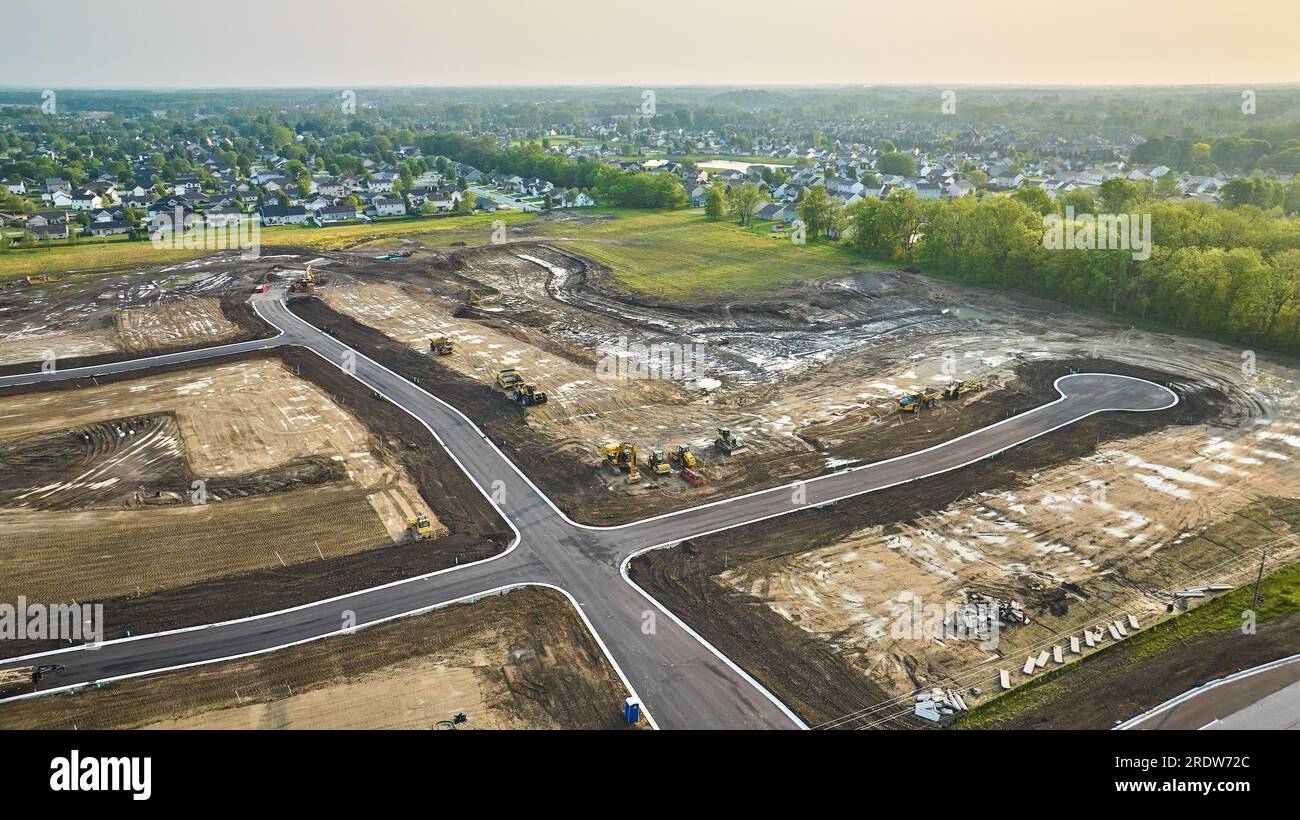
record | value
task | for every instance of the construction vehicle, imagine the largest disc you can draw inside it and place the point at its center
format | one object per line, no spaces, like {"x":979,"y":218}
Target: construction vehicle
{"x":726,"y":442}
{"x":527,"y":394}
{"x":658,"y":464}
{"x":420,"y":527}
{"x":957,"y":389}
{"x":914,"y":401}
{"x":691,"y":477}
{"x":623,"y":457}
{"x":307,"y":284}
{"x":508,"y":378}
{"x":683,"y":456}
{"x":41,"y":280}
{"x":441,"y":345}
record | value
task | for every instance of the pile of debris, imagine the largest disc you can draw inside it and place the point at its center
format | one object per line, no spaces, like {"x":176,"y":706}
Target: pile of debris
{"x":939,"y":703}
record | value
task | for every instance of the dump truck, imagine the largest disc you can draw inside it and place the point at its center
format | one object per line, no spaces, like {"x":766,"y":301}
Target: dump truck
{"x":914,"y":401}
{"x":420,"y":527}
{"x":683,"y":456}
{"x":441,"y":345}
{"x":957,"y":389}
{"x":527,"y":394}
{"x":658,"y":464}
{"x":726,"y":442}
{"x":508,"y":378}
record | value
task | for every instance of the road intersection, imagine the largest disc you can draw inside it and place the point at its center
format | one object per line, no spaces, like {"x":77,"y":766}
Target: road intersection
{"x":681,"y":680}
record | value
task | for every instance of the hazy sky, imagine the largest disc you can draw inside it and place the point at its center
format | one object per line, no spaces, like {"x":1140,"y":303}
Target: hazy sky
{"x":352,"y":43}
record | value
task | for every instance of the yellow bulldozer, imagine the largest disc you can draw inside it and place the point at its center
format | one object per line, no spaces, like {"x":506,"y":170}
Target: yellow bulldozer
{"x":683,"y":456}
{"x":622,"y":457}
{"x":726,"y":442}
{"x":420,"y":527}
{"x":441,"y":345}
{"x":958,"y":389}
{"x":658,"y":464}
{"x":915,"y":401}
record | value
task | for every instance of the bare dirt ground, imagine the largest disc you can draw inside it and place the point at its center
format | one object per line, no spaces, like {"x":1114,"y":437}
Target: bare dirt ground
{"x":82,"y":320}
{"x":1104,"y":518}
{"x":522,"y":660}
{"x":1108,"y":515}
{"x":393,"y":438}
{"x":192,"y":322}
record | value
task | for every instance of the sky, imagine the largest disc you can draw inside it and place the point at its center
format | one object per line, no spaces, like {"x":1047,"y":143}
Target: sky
{"x":365,"y":43}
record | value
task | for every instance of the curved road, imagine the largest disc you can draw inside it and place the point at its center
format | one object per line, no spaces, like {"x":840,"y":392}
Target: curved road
{"x":682,"y":681}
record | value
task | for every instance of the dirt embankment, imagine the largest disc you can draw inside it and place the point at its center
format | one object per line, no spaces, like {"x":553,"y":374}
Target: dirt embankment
{"x":523,"y":660}
{"x":234,"y":306}
{"x":803,"y":669}
{"x":475,"y":531}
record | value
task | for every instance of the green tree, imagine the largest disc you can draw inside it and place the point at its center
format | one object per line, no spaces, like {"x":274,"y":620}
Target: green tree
{"x":896,"y":162}
{"x":815,"y":211}
{"x":715,"y":203}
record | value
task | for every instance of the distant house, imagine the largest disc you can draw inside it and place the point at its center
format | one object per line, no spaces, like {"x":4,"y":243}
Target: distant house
{"x":283,"y":215}
{"x":109,"y":228}
{"x":388,"y":207}
{"x":315,"y":202}
{"x":48,"y":224}
{"x":486,"y":205}
{"x":15,"y":185}
{"x":335,"y":213}
{"x":771,"y":212}
{"x":223,"y":217}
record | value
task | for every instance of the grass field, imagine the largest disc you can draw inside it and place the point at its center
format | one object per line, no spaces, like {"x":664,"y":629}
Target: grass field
{"x":668,"y":254}
{"x":66,"y":259}
{"x":679,"y":254}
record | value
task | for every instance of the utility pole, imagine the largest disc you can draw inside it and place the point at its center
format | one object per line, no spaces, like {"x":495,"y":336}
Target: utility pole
{"x":1255,"y":602}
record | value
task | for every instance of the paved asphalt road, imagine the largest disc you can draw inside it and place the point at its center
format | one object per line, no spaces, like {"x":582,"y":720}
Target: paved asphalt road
{"x":682,"y":681}
{"x":1267,"y":697}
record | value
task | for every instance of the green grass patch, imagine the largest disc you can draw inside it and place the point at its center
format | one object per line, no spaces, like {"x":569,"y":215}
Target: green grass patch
{"x":682,"y":255}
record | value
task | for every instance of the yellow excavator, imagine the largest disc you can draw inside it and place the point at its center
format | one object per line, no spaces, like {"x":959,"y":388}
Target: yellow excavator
{"x":683,"y":456}
{"x":957,"y":389}
{"x":307,"y":284}
{"x":420,"y":527}
{"x":441,"y":345}
{"x":726,"y":442}
{"x":915,"y":401}
{"x":658,"y":464}
{"x":622,"y":457}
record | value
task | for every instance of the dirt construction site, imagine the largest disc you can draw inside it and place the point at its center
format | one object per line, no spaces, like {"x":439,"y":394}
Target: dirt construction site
{"x":183,"y":495}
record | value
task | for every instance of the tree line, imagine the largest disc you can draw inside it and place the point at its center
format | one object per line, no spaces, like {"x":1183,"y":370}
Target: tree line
{"x":1233,"y":273}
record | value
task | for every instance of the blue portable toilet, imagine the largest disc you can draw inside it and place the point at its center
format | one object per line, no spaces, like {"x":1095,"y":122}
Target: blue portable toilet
{"x":631,"y":710}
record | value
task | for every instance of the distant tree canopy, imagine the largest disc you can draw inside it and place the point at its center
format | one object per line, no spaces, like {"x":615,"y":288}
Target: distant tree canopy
{"x":896,"y":162}
{"x":1231,"y":273}
{"x":611,"y":186}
